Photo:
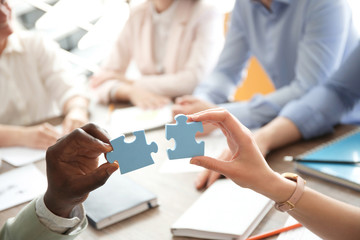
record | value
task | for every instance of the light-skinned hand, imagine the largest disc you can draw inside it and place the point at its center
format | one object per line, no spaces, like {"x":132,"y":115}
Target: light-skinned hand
{"x":39,"y":136}
{"x":207,"y":177}
{"x":99,"y":78}
{"x":247,"y":166}
{"x":145,"y":99}
{"x":188,"y":105}
{"x":72,"y":168}
{"x":75,"y":118}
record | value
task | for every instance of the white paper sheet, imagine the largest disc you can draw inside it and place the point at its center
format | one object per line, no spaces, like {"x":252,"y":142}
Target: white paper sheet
{"x":21,"y":185}
{"x":128,"y":120}
{"x":301,"y":233}
{"x":20,"y":156}
{"x":215,"y":143}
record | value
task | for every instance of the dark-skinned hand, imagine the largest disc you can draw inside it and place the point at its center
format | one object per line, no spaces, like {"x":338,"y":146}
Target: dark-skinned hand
{"x":72,"y":168}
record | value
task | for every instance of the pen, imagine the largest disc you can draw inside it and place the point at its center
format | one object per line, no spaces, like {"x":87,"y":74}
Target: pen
{"x":110,"y":110}
{"x":274,"y":232}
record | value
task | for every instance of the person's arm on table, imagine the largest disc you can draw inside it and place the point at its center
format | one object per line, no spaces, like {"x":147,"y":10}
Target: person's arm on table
{"x":72,"y":172}
{"x":76,"y":113}
{"x":39,"y":136}
{"x":326,"y":217}
{"x":138,"y":96}
{"x":318,"y":111}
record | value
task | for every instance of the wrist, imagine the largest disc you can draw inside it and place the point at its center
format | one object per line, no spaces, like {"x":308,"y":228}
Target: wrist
{"x":123,"y":92}
{"x":291,"y":202}
{"x":263,"y":141}
{"x":23,"y":134}
{"x":277,"y":188}
{"x":61,"y":208}
{"x":79,"y":111}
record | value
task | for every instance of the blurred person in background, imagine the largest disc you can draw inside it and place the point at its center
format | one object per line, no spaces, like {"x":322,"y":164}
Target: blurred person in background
{"x":34,"y":86}
{"x":174,"y":44}
{"x":298,"y":43}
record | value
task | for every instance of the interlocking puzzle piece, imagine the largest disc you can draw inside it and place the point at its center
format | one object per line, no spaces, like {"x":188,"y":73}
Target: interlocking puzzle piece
{"x":184,"y":136}
{"x":133,"y":155}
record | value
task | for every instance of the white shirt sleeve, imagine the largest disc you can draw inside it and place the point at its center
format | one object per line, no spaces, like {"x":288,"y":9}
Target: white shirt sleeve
{"x":58,"y":224}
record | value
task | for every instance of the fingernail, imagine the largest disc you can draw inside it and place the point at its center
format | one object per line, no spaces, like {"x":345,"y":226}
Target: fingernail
{"x":112,"y":169}
{"x":195,"y":162}
{"x":108,"y":146}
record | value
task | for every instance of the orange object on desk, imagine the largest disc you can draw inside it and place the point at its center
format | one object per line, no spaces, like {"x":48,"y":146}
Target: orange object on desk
{"x":274,"y":232}
{"x":256,"y":82}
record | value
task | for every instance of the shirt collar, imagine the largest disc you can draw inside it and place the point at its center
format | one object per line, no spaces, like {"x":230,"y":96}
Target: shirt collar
{"x":13,"y":44}
{"x":165,"y":14}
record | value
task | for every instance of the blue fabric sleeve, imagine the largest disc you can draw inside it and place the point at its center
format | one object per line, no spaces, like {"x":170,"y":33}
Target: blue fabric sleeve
{"x":224,"y":79}
{"x":319,"y":110}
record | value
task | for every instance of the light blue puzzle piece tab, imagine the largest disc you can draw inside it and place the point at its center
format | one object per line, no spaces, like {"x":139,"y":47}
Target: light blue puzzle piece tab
{"x":184,"y":135}
{"x":133,"y":155}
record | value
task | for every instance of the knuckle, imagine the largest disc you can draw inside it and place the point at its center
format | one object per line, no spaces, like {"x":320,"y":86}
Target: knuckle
{"x":100,"y":181}
{"x":91,"y":126}
{"x":77,"y":132}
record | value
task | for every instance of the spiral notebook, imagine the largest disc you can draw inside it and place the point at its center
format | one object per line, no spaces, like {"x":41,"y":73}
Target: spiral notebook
{"x":345,"y":149}
{"x":336,"y":161}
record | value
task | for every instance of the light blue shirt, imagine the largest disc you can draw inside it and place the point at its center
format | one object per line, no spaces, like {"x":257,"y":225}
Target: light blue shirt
{"x":324,"y":105}
{"x":299,"y":43}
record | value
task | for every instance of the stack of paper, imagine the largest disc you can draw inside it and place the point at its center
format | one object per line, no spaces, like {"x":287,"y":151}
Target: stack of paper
{"x":21,"y":185}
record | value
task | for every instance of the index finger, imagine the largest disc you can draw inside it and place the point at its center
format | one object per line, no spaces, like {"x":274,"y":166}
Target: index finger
{"x":97,"y":132}
{"x":225,"y":120}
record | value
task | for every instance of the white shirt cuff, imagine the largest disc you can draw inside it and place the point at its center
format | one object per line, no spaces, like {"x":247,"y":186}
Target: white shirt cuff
{"x":58,"y":224}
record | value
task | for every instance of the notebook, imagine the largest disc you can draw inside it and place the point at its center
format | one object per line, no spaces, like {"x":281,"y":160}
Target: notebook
{"x":345,"y":149}
{"x":224,"y":211}
{"x":118,"y":199}
{"x":346,"y":174}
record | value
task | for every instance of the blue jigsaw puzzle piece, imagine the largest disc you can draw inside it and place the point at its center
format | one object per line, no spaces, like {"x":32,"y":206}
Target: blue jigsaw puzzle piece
{"x":133,"y":155}
{"x":184,"y":135}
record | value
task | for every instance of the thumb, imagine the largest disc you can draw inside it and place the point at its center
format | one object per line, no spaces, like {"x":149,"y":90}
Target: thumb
{"x":100,"y":175}
{"x":211,"y":164}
